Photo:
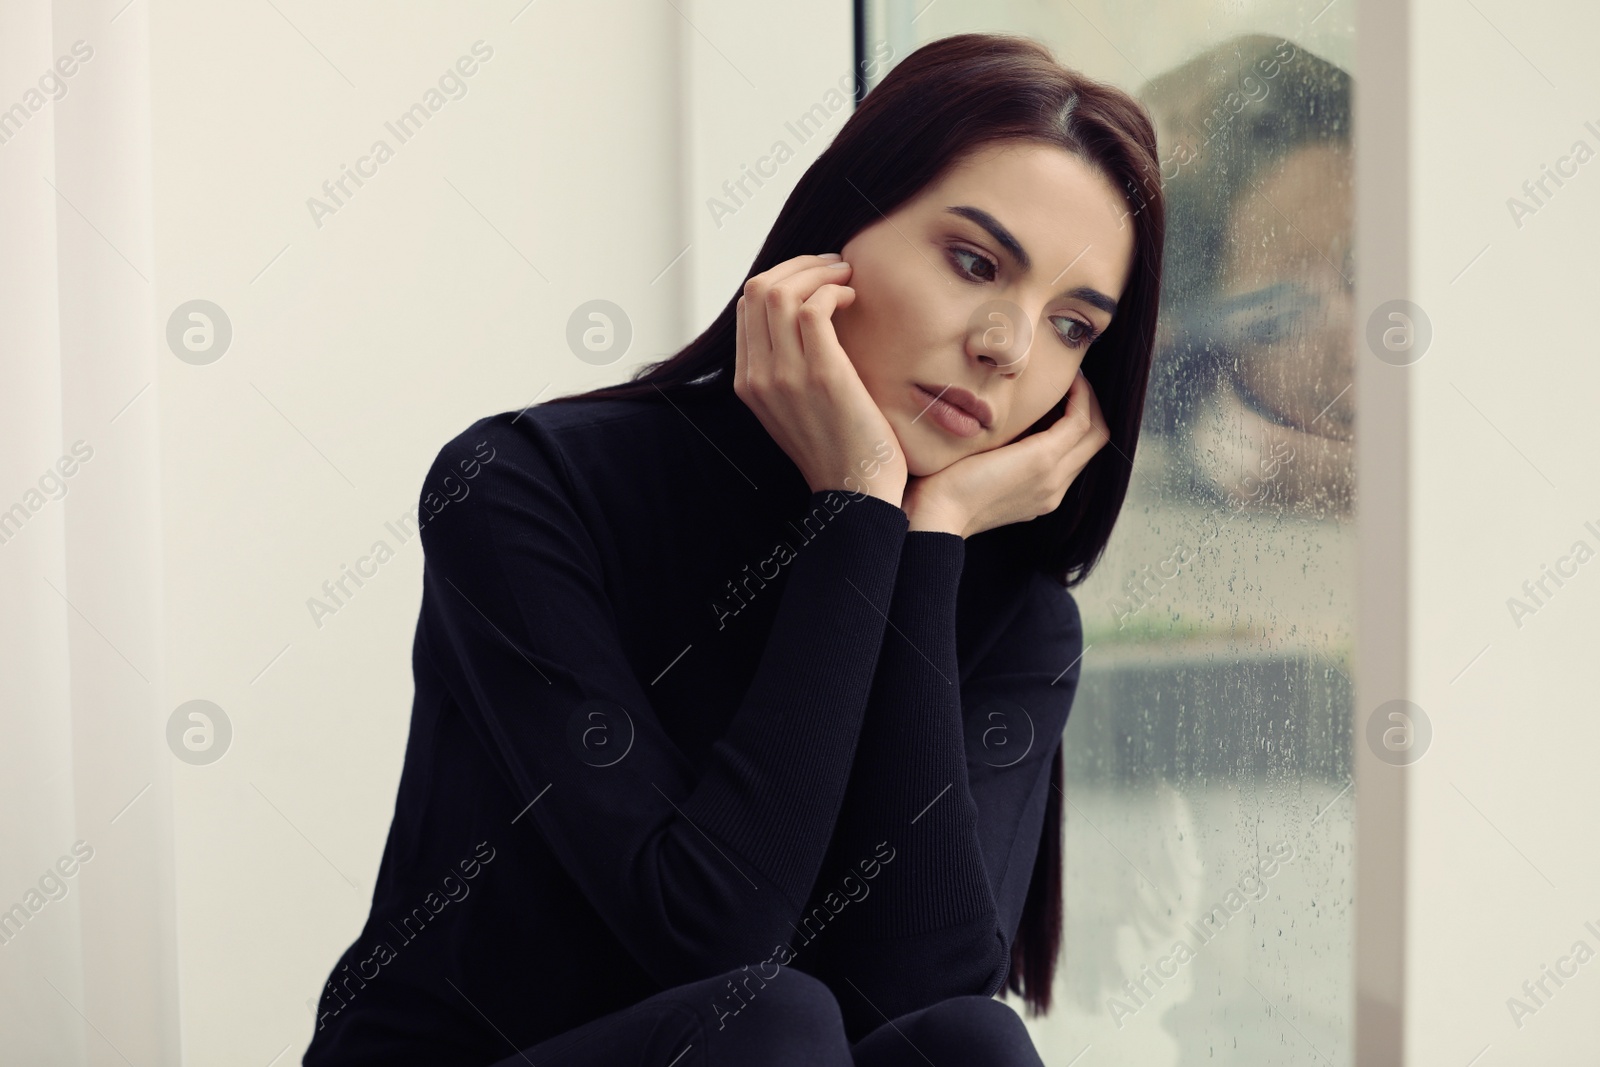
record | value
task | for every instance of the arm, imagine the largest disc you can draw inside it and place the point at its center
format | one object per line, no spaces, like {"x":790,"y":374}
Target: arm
{"x":952,"y":775}
{"x":696,"y":873}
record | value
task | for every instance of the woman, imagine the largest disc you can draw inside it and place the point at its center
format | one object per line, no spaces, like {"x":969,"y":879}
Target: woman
{"x":740,"y":686}
{"x":1255,"y":358}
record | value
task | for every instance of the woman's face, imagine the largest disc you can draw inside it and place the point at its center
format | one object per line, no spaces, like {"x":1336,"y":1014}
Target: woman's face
{"x":993,"y":279}
{"x":1302,"y":357}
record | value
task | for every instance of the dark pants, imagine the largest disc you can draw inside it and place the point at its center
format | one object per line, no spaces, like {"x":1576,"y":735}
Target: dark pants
{"x":792,"y":1021}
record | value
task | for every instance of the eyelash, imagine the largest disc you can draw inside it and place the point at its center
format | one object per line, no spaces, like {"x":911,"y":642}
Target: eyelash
{"x":956,"y":252}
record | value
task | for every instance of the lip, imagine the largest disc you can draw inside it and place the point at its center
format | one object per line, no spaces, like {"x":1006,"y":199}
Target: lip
{"x":961,"y":398}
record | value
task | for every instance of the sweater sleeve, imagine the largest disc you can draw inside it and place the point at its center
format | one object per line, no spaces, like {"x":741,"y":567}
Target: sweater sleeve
{"x":695,"y":871}
{"x":949,"y":783}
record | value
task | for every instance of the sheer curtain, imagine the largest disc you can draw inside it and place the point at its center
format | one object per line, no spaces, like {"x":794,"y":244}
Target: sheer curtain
{"x":86,"y":822}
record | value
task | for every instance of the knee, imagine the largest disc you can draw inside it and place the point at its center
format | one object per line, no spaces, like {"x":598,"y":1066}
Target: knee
{"x":791,"y":1006}
{"x":974,"y":1029}
{"x":789,"y":997}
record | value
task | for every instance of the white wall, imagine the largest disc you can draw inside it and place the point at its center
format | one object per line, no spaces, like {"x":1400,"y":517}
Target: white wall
{"x":1503,"y":868}
{"x":367,"y":343}
{"x":576,"y":166}
{"x":1476,"y":858}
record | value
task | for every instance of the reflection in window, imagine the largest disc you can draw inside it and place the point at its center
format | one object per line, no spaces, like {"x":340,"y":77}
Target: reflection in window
{"x":1208,"y":865}
{"x":1259,"y":285}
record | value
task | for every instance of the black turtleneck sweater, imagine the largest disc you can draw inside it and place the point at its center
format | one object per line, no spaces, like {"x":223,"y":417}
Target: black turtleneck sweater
{"x":675,"y":713}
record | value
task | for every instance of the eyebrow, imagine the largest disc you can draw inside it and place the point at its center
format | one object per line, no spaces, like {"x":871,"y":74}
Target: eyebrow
{"x":1007,"y":241}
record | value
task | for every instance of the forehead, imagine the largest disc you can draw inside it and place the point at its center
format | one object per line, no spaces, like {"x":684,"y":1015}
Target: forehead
{"x":1059,"y":207}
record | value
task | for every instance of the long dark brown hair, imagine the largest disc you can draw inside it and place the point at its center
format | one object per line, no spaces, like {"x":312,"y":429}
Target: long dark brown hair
{"x":944,"y":100}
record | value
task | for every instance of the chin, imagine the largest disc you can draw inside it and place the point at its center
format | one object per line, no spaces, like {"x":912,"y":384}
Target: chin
{"x":928,"y":450}
{"x":923,"y":461}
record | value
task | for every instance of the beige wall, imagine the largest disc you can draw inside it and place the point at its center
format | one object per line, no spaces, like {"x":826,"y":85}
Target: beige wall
{"x":579,"y":153}
{"x":575,"y":166}
{"x":1502,"y":867}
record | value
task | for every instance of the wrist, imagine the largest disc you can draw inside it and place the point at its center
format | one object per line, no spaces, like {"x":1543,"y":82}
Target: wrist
{"x":937,"y":520}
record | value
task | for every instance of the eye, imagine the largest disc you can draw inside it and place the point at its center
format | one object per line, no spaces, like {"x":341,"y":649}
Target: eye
{"x":1065,"y":327}
{"x":977,"y":267}
{"x":973,"y":265}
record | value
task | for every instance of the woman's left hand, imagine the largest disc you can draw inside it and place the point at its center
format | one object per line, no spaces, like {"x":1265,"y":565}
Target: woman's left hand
{"x":1015,"y":482}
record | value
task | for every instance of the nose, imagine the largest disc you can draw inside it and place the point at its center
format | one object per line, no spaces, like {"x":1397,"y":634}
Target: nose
{"x":1000,"y":334}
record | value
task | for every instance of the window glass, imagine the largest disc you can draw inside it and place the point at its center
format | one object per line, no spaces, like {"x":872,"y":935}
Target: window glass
{"x":1208,"y":802}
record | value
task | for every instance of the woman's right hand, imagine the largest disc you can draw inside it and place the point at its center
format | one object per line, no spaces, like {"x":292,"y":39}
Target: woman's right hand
{"x":791,"y":371}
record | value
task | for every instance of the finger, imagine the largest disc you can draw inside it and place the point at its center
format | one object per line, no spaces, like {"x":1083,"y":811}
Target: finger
{"x":1067,"y":430}
{"x":758,"y":289}
{"x":1097,"y":418}
{"x":741,"y":356}
{"x":815,"y":321}
{"x":784,"y":300}
{"x":757,"y":339}
{"x":1082,"y":431}
{"x":1096,"y":430}
{"x":790,"y":267}
{"x":1096,"y":435}
{"x":1079,"y":400}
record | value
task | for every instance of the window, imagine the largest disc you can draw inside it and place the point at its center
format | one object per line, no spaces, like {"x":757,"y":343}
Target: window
{"x":1208,"y":820}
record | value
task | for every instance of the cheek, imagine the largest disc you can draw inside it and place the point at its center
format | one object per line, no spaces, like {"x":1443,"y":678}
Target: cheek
{"x":902,"y":307}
